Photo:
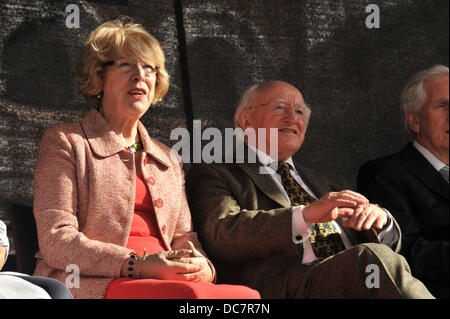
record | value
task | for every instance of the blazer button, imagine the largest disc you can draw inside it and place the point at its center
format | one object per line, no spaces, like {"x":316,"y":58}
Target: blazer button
{"x":151,"y":180}
{"x":298,"y":237}
{"x":164,"y":229}
{"x":158,"y":203}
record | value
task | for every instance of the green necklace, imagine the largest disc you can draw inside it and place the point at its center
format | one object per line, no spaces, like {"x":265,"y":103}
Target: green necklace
{"x":136,"y":147}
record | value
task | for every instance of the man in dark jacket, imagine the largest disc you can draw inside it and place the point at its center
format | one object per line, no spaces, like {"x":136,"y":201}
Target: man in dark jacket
{"x":414,"y":185}
{"x":279,"y":227}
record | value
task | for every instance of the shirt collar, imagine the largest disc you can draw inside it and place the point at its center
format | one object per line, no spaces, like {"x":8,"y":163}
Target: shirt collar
{"x":437,"y":164}
{"x":266,"y":159}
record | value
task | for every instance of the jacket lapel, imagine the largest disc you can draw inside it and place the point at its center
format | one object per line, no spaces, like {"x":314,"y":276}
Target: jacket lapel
{"x":104,"y":141}
{"x":314,"y":181}
{"x":264,"y":182}
{"x":267,"y":185}
{"x":153,"y":147}
{"x":418,"y":165}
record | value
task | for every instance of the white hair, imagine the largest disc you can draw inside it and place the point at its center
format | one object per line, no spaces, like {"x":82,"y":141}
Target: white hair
{"x":245,"y":100}
{"x":413,"y":95}
{"x":243,"y":103}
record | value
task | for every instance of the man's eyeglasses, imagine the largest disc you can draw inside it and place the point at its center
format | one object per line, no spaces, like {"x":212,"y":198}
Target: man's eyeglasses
{"x":281,"y":108}
{"x":127,"y":66}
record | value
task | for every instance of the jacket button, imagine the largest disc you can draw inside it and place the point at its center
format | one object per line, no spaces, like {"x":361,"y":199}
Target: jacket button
{"x":158,"y":203}
{"x":151,"y":180}
{"x":164,"y":229}
{"x":298,"y":237}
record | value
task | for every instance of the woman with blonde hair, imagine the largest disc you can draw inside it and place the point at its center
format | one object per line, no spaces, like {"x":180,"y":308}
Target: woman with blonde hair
{"x":109,"y":200}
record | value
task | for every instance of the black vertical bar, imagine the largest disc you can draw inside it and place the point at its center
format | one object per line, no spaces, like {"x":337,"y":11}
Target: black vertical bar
{"x":184,"y":70}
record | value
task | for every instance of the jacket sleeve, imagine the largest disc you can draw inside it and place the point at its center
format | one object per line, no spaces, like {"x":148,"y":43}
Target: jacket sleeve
{"x":61,"y":243}
{"x":232,"y":229}
{"x":429,"y":259}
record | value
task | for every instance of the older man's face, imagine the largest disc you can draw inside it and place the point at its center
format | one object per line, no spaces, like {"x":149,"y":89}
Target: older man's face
{"x":432,"y":125}
{"x":281,"y":106}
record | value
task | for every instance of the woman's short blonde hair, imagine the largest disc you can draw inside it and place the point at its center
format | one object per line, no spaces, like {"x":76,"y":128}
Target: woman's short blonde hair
{"x":111,"y":40}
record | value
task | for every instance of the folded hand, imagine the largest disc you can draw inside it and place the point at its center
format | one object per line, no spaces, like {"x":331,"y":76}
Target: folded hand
{"x":184,"y":264}
{"x":329,"y":207}
{"x":365,"y":217}
{"x":166,"y":265}
{"x":196,"y":258}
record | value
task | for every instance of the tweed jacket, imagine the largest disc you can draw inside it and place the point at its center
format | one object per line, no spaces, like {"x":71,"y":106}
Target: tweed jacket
{"x":84,"y":196}
{"x":245,"y":223}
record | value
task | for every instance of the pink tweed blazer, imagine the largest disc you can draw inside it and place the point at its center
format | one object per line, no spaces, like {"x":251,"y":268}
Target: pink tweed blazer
{"x":84,"y":194}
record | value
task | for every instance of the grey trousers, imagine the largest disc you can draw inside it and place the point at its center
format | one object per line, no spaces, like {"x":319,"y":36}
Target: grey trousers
{"x":15,"y":285}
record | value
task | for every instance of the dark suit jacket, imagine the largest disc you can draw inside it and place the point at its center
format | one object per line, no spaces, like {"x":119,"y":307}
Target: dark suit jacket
{"x":417,"y":195}
{"x":245,"y":224}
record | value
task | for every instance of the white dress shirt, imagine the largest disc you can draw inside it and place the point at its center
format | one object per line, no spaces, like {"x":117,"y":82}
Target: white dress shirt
{"x":4,"y":242}
{"x":437,"y":163}
{"x":301,"y":230}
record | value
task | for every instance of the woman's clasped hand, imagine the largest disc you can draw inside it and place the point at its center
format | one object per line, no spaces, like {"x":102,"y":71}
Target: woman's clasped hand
{"x":183,"y":264}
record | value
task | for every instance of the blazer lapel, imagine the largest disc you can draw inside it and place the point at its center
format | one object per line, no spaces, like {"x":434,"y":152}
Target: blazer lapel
{"x":418,"y":165}
{"x":154,"y":148}
{"x":264,"y":182}
{"x":103,"y":141}
{"x":314,"y":181}
{"x":268,"y":186}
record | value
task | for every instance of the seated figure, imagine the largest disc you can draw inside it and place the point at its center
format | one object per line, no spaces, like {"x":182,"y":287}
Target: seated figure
{"x":109,"y":200}
{"x":290,"y":231}
{"x":14,"y":285}
{"x":413,"y":183}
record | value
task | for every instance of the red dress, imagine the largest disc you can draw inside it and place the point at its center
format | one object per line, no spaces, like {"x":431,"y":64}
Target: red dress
{"x":144,"y":233}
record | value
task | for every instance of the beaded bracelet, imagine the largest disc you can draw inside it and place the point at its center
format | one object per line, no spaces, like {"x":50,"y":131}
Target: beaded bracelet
{"x":131,"y":262}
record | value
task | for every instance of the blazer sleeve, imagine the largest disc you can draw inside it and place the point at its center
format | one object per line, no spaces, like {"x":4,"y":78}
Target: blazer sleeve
{"x":61,"y":242}
{"x":229,"y":232}
{"x":429,"y":259}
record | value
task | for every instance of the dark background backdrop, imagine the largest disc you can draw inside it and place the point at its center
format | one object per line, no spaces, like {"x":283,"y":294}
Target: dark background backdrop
{"x":350,"y":75}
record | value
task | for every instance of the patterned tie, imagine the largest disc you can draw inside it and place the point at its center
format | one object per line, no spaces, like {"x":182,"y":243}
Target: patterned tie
{"x":325,"y":239}
{"x":444,"y":172}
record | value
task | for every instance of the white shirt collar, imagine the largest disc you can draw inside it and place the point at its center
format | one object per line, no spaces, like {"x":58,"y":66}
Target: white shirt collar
{"x":266,"y":159}
{"x":437,"y":164}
